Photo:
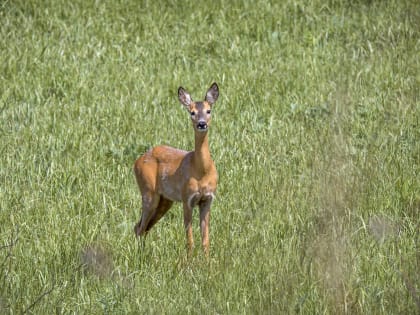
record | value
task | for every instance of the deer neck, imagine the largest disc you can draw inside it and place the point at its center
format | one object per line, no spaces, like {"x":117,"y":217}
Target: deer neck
{"x":202,"y":158}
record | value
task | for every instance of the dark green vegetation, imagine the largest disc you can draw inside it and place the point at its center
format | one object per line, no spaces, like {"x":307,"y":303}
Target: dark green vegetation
{"x":316,"y":136}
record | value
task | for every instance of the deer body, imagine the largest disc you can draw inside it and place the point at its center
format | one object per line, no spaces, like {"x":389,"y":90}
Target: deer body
{"x":165,"y":174}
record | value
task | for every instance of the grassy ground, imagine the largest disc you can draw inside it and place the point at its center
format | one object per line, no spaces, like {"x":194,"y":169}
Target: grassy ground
{"x":315,"y":137}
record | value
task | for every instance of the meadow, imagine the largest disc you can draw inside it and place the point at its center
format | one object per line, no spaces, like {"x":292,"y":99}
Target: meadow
{"x":316,"y":138}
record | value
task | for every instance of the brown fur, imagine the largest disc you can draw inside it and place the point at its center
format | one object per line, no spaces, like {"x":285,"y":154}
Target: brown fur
{"x":165,"y":174}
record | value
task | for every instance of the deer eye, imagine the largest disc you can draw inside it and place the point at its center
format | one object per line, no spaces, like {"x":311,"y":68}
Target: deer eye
{"x":192,"y":114}
{"x":208,"y":111}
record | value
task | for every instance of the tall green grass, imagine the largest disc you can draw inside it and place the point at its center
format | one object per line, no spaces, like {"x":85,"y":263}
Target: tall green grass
{"x":315,"y":137}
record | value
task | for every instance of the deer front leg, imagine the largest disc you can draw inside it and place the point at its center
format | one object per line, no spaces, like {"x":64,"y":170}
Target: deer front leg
{"x":189,"y":203}
{"x":204,"y":223}
{"x":188,"y":226}
{"x":188,"y":208}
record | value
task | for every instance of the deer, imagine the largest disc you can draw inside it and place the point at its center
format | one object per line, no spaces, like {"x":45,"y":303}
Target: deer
{"x":166,"y":175}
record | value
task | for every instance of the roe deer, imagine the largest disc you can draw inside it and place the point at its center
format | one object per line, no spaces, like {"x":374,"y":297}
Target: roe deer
{"x":165,"y":174}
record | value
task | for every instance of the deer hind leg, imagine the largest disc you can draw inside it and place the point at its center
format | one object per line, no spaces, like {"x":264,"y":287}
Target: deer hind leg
{"x":163,"y":207}
{"x":150,"y":202}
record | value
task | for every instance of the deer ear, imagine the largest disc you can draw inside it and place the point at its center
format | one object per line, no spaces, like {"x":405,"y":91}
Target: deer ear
{"x":184,"y":97}
{"x":212,"y":94}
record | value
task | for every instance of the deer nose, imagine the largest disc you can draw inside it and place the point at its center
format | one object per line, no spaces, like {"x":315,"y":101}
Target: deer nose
{"x":202,"y":125}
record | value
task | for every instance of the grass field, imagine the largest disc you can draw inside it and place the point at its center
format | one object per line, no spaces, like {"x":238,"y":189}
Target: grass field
{"x":316,"y":137}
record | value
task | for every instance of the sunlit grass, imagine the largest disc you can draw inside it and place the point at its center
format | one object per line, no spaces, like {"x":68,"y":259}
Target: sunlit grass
{"x":315,"y":137}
